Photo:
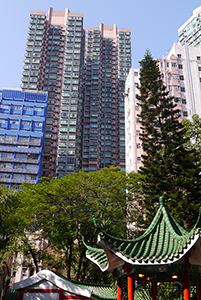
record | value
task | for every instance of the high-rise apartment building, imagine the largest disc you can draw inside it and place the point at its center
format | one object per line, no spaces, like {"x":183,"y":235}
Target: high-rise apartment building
{"x":22,"y":131}
{"x":107,"y":61}
{"x":189,"y":77}
{"x":190,"y":32}
{"x":53,"y":62}
{"x":85,"y":85}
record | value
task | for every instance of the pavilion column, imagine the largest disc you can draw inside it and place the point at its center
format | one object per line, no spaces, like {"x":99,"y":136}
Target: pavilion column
{"x":154,"y":290}
{"x":186,"y":286}
{"x":119,"y":289}
{"x":130,"y":287}
{"x":198,"y":289}
{"x":21,"y":294}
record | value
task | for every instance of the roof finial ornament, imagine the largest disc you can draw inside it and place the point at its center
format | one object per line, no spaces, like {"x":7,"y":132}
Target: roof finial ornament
{"x":161,"y":200}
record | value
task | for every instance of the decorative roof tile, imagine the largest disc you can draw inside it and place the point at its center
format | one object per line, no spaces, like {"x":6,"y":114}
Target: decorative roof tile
{"x":164,"y":242}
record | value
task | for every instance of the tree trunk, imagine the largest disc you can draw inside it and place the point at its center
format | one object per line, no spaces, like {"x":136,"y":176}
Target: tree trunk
{"x":80,"y":265}
{"x":34,"y":259}
{"x":5,"y":283}
{"x":84,"y":269}
{"x":69,"y":259}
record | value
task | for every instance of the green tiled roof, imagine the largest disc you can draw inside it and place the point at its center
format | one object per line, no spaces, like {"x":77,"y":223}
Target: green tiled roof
{"x":100,"y":291}
{"x":164,"y":242}
{"x":141,"y":294}
{"x":98,"y":256}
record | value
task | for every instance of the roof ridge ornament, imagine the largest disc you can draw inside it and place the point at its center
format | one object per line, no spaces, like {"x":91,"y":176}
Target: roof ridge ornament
{"x":161,"y":200}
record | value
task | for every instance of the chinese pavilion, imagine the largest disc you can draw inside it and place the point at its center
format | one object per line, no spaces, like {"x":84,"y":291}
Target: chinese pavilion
{"x":164,"y":253}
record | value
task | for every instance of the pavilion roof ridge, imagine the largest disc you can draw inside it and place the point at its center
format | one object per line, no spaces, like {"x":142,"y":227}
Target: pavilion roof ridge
{"x":164,"y":242}
{"x":176,"y":229}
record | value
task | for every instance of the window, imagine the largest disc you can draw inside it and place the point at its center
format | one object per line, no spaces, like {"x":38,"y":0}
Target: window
{"x":179,"y":55}
{"x":175,"y":88}
{"x":19,"y":166}
{"x":14,"y":122}
{"x":181,"y":77}
{"x":32,"y":167}
{"x":10,"y":138}
{"x":180,"y":66}
{"x":16,"y":107}
{"x":139,"y":159}
{"x":4,"y":175}
{"x":182,"y":89}
{"x":26,"y":123}
{"x":185,"y":114}
{"x":138,"y":146}
{"x":37,"y":109}
{"x":39,"y":124}
{"x":198,"y":57}
{"x":174,"y":65}
{"x":135,"y":73}
{"x":7,"y":154}
{"x":27,"y":107}
{"x":18,"y":176}
{"x":6,"y":165}
{"x":199,"y":68}
{"x":177,"y":100}
{"x":183,"y":101}
{"x":21,"y":155}
{"x":23,"y":139}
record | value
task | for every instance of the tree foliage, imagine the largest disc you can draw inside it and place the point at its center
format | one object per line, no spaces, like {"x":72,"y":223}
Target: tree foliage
{"x":193,"y":132}
{"x":62,"y":210}
{"x":9,"y":232}
{"x":169,"y":168}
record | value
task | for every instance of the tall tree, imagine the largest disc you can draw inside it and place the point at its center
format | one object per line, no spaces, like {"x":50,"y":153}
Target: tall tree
{"x":169,"y":168}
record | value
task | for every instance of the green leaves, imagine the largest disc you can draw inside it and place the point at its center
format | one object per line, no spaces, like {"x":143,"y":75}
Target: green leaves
{"x":62,"y":211}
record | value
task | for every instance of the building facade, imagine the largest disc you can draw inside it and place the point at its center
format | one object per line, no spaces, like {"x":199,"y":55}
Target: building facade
{"x":189,"y":76}
{"x":85,"y":85}
{"x":22,"y":132}
{"x":190,"y":32}
{"x":107,"y":63}
{"x":53,"y":61}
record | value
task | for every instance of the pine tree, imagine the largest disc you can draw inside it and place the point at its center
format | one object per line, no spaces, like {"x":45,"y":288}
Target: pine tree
{"x":169,"y":168}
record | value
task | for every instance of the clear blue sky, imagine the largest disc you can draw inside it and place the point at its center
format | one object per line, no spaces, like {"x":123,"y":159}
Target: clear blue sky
{"x":153,"y":24}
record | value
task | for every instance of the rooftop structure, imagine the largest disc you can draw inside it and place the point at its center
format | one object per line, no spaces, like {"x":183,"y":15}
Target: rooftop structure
{"x":62,"y":287}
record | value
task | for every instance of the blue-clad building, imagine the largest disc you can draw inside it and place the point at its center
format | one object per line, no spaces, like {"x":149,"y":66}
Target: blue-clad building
{"x":22,"y":132}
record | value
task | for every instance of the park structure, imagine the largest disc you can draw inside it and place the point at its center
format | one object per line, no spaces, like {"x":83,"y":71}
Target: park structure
{"x":166,"y":252}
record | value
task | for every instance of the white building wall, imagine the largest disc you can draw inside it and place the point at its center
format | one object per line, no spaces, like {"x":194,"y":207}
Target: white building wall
{"x":132,"y":126}
{"x":189,"y":62}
